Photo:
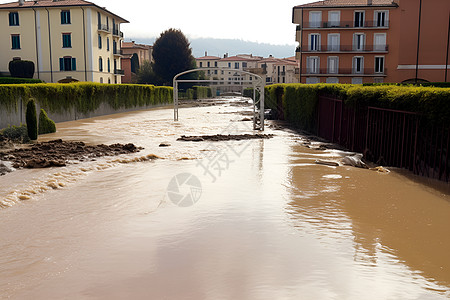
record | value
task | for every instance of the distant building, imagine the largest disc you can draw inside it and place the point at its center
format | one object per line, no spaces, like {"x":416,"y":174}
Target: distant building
{"x":366,"y":41}
{"x":272,"y":70}
{"x":66,"y":39}
{"x":143,"y":53}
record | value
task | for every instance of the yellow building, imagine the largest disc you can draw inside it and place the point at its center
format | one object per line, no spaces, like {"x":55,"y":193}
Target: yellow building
{"x":66,"y":39}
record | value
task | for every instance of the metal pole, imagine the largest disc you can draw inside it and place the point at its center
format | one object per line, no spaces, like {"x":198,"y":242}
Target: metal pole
{"x":261,"y":99}
{"x":418,"y":42}
{"x":448,"y":45}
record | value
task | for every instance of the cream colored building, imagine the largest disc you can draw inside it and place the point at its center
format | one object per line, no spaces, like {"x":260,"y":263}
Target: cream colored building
{"x":66,"y":39}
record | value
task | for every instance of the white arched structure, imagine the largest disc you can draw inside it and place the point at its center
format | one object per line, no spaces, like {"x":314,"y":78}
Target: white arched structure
{"x":257,"y":84}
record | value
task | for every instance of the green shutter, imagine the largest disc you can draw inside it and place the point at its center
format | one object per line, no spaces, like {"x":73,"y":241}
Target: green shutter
{"x":61,"y":64}
{"x":74,"y":64}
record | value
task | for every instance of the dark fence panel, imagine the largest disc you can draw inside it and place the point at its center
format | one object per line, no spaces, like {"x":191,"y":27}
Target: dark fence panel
{"x":388,"y":137}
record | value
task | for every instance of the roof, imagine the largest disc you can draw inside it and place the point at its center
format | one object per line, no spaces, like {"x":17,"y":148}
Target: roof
{"x":55,"y":3}
{"x":208,"y":58}
{"x":133,"y":45}
{"x":239,"y":58}
{"x":347,"y":3}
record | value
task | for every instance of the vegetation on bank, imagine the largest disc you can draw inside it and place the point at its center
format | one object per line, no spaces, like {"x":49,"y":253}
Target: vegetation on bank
{"x":32,"y":123}
{"x":46,"y":125}
{"x":298,"y":102}
{"x":83,"y":97}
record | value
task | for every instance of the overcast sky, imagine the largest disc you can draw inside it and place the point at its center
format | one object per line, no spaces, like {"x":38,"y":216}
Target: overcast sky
{"x":249,"y":20}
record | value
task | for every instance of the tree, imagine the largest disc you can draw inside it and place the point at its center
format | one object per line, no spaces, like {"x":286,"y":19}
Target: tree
{"x":134,"y":63}
{"x":145,"y":74}
{"x":30,"y":116}
{"x":172,"y":55}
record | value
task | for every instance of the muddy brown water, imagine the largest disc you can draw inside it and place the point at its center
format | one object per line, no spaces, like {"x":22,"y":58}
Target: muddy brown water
{"x":266,"y":223}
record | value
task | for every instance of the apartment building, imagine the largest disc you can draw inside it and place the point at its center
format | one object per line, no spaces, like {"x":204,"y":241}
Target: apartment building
{"x":367,"y":41}
{"x":66,"y":39}
{"x":272,"y":70}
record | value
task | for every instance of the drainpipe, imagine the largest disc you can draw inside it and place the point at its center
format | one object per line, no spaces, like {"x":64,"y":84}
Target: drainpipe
{"x":50,"y":44}
{"x":418,"y":42}
{"x":301,"y":48}
{"x":448,"y":45}
{"x":84,"y":43}
{"x":36,"y":38}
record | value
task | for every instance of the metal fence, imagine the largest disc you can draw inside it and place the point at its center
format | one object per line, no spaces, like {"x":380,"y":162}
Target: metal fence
{"x":388,"y":137}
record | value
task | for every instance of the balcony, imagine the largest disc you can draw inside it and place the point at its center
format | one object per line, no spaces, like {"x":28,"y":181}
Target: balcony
{"x":347,"y":48}
{"x":104,"y":28}
{"x":344,"y":72}
{"x":117,"y":52}
{"x":118,"y":33}
{"x":345,"y":24}
{"x":119,"y":72}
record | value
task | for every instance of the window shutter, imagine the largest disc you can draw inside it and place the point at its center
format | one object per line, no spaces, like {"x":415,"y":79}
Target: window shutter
{"x":62,"y":17}
{"x":61,"y":64}
{"x":68,"y":17}
{"x":11,"y":19}
{"x":74,"y":64}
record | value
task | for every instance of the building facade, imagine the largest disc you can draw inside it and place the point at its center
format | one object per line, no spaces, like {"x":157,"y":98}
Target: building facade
{"x":372,"y":41}
{"x":66,"y":39}
{"x":143,"y":53}
{"x":272,"y":70}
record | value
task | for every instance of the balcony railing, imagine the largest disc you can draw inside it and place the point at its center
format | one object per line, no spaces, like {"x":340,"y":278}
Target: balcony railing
{"x":117,"y":52}
{"x":103,"y":27}
{"x":345,"y":24}
{"x":119,"y":72}
{"x":346,"y":48}
{"x":343,"y":71}
{"x":118,"y":33}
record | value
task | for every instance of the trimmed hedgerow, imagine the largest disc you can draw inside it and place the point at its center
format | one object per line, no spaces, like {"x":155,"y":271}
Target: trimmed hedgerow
{"x":202,"y":92}
{"x":299,"y":101}
{"x":46,"y":125}
{"x":84,"y":97}
{"x":13,"y":80}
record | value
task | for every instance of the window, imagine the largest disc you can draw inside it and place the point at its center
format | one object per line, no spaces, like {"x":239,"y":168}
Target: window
{"x":312,"y":80}
{"x":101,"y":79}
{"x":15,"y":41}
{"x":333,"y":42}
{"x":358,"y":41}
{"x":100,"y":64}
{"x":215,"y":65}
{"x":236,"y":65}
{"x":209,"y":64}
{"x":67,"y":40}
{"x":359,"y":19}
{"x":357,"y":80}
{"x":378,"y":80}
{"x":229,"y":66}
{"x":99,"y":41}
{"x":201,"y":65}
{"x":99,"y":20}
{"x":13,"y":19}
{"x":109,"y":66}
{"x":215,"y":72}
{"x":379,"y":41}
{"x":334,"y":18}
{"x":315,"y":19}
{"x":65,"y":17}
{"x":67,"y":63}
{"x":381,"y":18}
{"x":314,"y":42}
{"x":333,"y":65}
{"x":313,"y":64}
{"x":244,"y":65}
{"x":332,"y":80}
{"x":358,"y":65}
{"x":379,"y":64}
{"x":107,"y":44}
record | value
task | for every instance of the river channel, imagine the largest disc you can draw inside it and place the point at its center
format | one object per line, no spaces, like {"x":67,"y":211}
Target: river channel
{"x":265,"y":221}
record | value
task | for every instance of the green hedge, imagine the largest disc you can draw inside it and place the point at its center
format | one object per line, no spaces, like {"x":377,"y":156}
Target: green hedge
{"x":299,"y":101}
{"x":13,"y":80}
{"x":84,"y":97}
{"x":202,"y":92}
{"x":46,"y":125}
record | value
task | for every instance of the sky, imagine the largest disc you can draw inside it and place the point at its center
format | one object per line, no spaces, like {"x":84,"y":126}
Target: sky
{"x":260,"y":21}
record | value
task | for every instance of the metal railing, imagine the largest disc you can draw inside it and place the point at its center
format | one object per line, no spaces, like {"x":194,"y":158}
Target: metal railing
{"x":343,"y":71}
{"x":346,"y":48}
{"x":103,"y":27}
{"x":117,"y":52}
{"x":345,"y":24}
{"x":119,"y":72}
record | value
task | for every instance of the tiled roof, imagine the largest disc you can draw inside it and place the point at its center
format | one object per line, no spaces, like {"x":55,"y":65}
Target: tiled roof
{"x":238,"y":58}
{"x":208,"y":58}
{"x":338,"y":3}
{"x":133,"y":45}
{"x":52,"y":3}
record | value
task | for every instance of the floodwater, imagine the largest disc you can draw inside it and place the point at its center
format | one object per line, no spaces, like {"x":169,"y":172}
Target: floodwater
{"x":266,"y":222}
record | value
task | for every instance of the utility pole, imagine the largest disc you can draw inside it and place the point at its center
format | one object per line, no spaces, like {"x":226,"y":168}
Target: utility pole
{"x":418,"y":42}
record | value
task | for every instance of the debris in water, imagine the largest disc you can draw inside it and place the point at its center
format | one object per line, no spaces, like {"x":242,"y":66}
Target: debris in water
{"x":221,"y":137}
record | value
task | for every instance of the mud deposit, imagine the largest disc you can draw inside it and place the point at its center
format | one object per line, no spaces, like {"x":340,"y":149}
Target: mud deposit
{"x":58,"y":153}
{"x":221,"y":137}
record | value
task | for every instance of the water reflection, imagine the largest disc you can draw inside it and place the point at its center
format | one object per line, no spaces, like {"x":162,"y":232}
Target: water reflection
{"x":398,"y":228}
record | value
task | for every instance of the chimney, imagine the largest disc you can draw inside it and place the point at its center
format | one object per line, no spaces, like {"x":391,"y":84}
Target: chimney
{"x":21,"y":2}
{"x":369,"y":2}
{"x":206,"y":53}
